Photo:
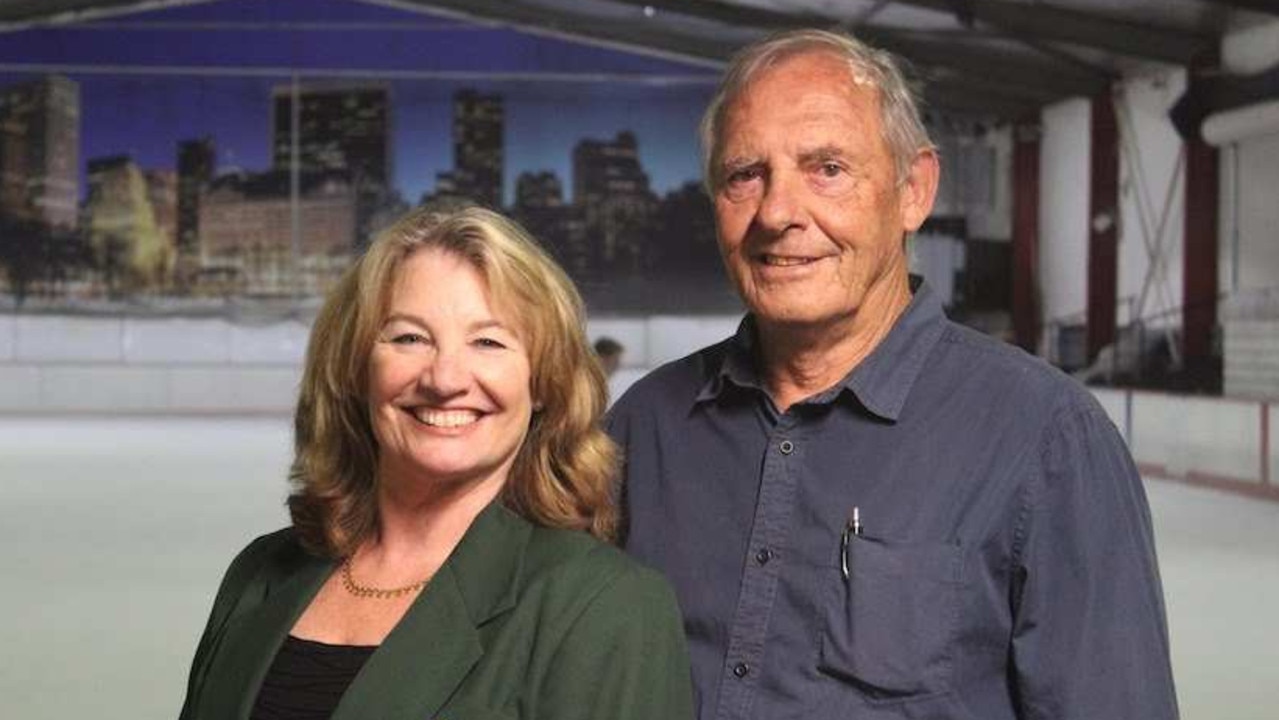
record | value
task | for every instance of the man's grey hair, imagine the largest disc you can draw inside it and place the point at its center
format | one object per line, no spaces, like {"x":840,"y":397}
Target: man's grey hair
{"x":903,"y":128}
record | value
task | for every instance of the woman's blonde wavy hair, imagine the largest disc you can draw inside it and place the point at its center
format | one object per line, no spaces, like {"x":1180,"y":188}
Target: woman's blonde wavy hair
{"x":563,"y":473}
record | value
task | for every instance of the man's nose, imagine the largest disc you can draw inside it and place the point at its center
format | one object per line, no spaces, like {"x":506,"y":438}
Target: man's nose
{"x":779,"y":207}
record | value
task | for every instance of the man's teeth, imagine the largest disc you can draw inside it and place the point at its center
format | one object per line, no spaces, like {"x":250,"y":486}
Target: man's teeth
{"x":447,"y":418}
{"x":785,"y":261}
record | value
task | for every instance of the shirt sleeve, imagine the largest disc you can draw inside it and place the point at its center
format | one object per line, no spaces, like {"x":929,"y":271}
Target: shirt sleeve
{"x":1090,"y":639}
{"x":624,"y":658}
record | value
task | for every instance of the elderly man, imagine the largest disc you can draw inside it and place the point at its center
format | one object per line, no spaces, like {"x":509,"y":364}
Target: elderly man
{"x":867,"y":510}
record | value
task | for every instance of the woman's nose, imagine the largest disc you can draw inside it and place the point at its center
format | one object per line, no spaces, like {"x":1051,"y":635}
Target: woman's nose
{"x":446,"y":373}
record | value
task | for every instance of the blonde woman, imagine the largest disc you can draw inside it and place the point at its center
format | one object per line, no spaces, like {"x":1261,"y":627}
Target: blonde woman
{"x":448,"y":556}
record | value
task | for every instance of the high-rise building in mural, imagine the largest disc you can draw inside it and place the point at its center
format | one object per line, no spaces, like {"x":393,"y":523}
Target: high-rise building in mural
{"x":133,"y":251}
{"x":478,"y":124}
{"x":537,"y":190}
{"x":162,"y":193}
{"x":558,"y":226}
{"x":342,"y":128}
{"x":40,"y":150}
{"x":197,"y":162}
{"x":247,"y":233}
{"x":612,"y":189}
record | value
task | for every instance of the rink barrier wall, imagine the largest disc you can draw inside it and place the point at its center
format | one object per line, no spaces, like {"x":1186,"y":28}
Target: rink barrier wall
{"x":1224,"y":443}
{"x":51,"y":364}
{"x":146,"y":366}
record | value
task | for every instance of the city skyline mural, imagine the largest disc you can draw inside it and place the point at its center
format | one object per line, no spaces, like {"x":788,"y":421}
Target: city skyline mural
{"x":126,"y":181}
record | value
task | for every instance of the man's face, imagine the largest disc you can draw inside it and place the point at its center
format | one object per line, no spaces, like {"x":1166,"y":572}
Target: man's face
{"x":809,"y":211}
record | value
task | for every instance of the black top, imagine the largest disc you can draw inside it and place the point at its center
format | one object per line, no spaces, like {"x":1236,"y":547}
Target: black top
{"x":307,"y":679}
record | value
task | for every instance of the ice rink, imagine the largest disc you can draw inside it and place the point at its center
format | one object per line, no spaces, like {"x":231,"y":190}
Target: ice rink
{"x":116,"y":531}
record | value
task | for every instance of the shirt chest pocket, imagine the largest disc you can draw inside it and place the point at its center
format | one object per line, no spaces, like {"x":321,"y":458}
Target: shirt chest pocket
{"x":889,"y":627}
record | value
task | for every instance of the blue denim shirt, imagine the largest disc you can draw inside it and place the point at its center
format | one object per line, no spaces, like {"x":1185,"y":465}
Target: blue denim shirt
{"x":1005,"y":566}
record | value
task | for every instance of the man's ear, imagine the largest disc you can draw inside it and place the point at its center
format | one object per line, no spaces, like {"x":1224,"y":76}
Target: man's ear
{"x":919,"y":189}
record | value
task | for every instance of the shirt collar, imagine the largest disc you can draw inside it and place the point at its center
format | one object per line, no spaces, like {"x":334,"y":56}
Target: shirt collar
{"x":881,"y":382}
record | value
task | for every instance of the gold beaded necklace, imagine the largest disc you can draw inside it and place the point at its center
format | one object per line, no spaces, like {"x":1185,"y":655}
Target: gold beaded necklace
{"x":366,"y":591}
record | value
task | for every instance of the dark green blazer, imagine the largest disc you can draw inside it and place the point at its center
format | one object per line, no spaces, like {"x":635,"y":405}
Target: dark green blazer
{"x":520,"y":622}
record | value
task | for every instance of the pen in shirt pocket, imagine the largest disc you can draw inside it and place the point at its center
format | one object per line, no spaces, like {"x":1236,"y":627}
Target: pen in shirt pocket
{"x":851,"y":528}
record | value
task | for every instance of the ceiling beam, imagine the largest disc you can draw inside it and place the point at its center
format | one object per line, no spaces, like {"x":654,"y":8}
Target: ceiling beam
{"x":1077,"y":27}
{"x":1270,"y":7}
{"x":654,"y":40}
{"x":16,"y":15}
{"x":1033,"y":74}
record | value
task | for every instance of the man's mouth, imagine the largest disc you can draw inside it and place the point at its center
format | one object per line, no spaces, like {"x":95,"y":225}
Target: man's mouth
{"x":445,"y":418}
{"x":785,"y":260}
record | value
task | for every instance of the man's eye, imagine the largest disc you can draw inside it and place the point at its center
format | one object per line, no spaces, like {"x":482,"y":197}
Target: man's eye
{"x":830,"y":169}
{"x":743,"y":175}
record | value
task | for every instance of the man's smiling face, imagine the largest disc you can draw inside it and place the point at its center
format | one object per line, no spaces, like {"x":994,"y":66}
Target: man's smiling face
{"x":809,"y":210}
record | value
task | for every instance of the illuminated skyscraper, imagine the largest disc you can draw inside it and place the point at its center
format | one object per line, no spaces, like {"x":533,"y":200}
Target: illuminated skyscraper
{"x":478,"y":123}
{"x":343,"y":128}
{"x":197,"y":161}
{"x":39,"y":151}
{"x":612,"y":189}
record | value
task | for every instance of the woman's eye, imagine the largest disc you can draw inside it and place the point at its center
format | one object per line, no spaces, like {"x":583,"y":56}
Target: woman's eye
{"x":407,"y":339}
{"x":490,"y":343}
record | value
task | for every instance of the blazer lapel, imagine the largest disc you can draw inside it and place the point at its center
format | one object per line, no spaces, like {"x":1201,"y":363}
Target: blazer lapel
{"x":253,"y":638}
{"x":428,"y":655}
{"x":421,"y":662}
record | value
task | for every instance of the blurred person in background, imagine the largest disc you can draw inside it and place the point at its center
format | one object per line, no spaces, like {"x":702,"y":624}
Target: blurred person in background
{"x":451,"y":509}
{"x":609,"y":352}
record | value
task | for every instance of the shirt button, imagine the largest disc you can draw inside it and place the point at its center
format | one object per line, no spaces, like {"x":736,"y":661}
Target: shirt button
{"x":788,"y":447}
{"x":740,"y":669}
{"x":763,"y":556}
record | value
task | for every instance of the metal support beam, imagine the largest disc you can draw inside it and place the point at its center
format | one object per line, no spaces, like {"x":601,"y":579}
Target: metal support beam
{"x":1036,"y":20}
{"x":1057,"y":24}
{"x":1103,"y":225}
{"x":1061,"y":79}
{"x":1025,"y":270}
{"x":1262,"y":6}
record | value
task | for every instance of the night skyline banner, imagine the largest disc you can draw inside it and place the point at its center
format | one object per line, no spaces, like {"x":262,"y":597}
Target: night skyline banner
{"x":165,"y":142}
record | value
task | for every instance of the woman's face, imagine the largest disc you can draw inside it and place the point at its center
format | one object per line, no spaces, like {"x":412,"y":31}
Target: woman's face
{"x":448,"y":379}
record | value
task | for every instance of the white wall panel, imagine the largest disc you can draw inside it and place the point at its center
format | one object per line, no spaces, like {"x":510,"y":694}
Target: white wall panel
{"x":1258,"y":214}
{"x":283,"y":343}
{"x":103,"y":388}
{"x":671,"y":338}
{"x":45,"y":338}
{"x":8,"y":331}
{"x":231,"y":389}
{"x":1063,"y":208}
{"x":176,"y":340}
{"x":1205,"y":435}
{"x":632,"y":333}
{"x":19,"y":388}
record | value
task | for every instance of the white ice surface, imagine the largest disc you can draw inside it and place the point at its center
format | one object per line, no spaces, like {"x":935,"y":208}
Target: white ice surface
{"x":114,"y":533}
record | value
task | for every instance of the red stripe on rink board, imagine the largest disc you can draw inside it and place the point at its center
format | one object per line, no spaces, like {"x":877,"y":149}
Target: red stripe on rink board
{"x":1265,"y":443}
{"x":1237,"y":486}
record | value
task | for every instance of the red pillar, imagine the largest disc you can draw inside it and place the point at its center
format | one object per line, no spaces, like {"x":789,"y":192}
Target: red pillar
{"x":1103,"y":225}
{"x":1199,"y":274}
{"x":1025,"y":280}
